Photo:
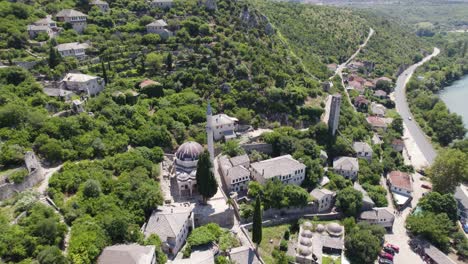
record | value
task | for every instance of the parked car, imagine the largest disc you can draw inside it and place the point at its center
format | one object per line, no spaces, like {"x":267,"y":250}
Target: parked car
{"x":389,"y":250}
{"x":426,"y":186}
{"x":422,"y":172}
{"x":465,"y":227}
{"x":395,"y":247}
{"x":410,"y":118}
{"x":386,"y":255}
{"x":385,"y":261}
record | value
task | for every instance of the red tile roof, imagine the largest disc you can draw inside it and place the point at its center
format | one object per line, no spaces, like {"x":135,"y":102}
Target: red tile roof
{"x":376,"y":121}
{"x":400,"y":180}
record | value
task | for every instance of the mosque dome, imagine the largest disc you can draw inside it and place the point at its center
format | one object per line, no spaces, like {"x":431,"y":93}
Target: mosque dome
{"x":307,"y":225}
{"x":304,"y":251}
{"x":334,"y":229}
{"x":189,"y":151}
{"x":306,"y":242}
{"x":306,"y":233}
{"x":320,"y":228}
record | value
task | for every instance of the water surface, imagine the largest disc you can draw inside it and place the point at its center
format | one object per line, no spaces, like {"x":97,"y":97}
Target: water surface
{"x":455,"y":97}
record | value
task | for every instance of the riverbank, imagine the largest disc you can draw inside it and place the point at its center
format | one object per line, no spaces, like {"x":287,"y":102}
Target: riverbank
{"x":454,"y":96}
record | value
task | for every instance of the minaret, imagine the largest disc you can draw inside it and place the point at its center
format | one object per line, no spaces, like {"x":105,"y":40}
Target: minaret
{"x":209,"y":131}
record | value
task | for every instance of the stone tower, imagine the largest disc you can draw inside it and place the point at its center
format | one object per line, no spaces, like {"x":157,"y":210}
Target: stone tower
{"x":209,"y":131}
{"x":334,"y":118}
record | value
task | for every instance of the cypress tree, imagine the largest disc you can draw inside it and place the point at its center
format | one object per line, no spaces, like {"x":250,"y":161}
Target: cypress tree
{"x":257,"y":222}
{"x":104,"y":72}
{"x":206,"y":181}
{"x":169,"y":62}
{"x":54,"y":57}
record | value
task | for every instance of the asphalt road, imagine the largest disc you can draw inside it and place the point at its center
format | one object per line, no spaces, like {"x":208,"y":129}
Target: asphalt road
{"x":403,"y":109}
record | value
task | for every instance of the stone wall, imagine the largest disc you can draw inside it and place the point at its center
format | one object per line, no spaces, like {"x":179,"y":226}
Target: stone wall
{"x":260,"y":147}
{"x":36,"y":175}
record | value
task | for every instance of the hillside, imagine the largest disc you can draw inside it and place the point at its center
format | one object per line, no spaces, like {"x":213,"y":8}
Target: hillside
{"x":323,"y":35}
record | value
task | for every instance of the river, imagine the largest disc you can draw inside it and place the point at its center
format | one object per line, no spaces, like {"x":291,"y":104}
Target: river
{"x":455,"y":97}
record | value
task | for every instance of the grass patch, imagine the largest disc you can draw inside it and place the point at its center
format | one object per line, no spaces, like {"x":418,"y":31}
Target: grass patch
{"x":274,"y":233}
{"x":330,"y":260}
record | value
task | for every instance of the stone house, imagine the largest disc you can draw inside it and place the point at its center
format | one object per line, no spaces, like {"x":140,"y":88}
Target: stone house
{"x":363,"y":150}
{"x":347,"y":167}
{"x":400,"y":184}
{"x":398,"y":145}
{"x":159,"y":27}
{"x":367,"y":202}
{"x":284,"y":168}
{"x":224,"y":127}
{"x":378,"y":216}
{"x":82,"y":83}
{"x":378,"y":109}
{"x":73,"y":49}
{"x":172,"y":224}
{"x":75,"y":18}
{"x":45,"y":25}
{"x":163,"y":4}
{"x":324,"y":198}
{"x":235,"y":172}
{"x":102,"y":5}
{"x":128,"y":254}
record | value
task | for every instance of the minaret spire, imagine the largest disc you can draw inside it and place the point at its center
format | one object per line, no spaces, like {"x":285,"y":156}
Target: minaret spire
{"x":209,"y":131}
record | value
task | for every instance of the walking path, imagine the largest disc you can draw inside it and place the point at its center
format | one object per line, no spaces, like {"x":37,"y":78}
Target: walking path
{"x":341,"y":67}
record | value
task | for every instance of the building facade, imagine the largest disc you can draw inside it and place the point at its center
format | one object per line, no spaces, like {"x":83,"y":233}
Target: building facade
{"x":284,"y":168}
{"x":172,"y":224}
{"x":159,"y":27}
{"x":235,"y":172}
{"x":347,"y":167}
{"x":82,"y":83}
{"x":163,"y":4}
{"x":378,"y":216}
{"x":363,"y":150}
{"x":102,"y":5}
{"x":75,"y":18}
{"x":185,"y":165}
{"x":73,"y":49}
{"x":324,"y":198}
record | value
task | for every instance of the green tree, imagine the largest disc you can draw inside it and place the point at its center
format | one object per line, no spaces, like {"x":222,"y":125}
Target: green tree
{"x":440,"y":203}
{"x":448,"y":170}
{"x":349,"y":201}
{"x":206,"y":181}
{"x":169,"y":61}
{"x":51,"y":255}
{"x":433,"y":227}
{"x":257,"y":222}
{"x":232,"y":148}
{"x":104,"y":72}
{"x":154,"y":61}
{"x":362,"y":245}
{"x":91,"y":188}
{"x":54,"y":57}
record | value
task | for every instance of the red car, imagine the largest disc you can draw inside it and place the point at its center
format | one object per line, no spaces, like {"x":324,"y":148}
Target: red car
{"x":386,"y":255}
{"x":396,"y":248}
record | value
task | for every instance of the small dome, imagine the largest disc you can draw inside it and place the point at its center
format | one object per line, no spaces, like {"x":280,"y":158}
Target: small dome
{"x":189,"y":151}
{"x":307,"y":225}
{"x":306,"y":233}
{"x":306,"y":241}
{"x":320,"y":228}
{"x":334,"y":229}
{"x":304,"y":251}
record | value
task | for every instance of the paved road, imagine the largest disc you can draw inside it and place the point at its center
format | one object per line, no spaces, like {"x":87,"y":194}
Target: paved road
{"x":402,"y":108}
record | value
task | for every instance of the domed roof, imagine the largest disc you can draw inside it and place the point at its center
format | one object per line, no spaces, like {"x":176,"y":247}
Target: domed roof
{"x":334,"y":229}
{"x":306,"y":233}
{"x":320,"y":228}
{"x":304,"y":251}
{"x":307,"y":225}
{"x":306,"y":241}
{"x":189,"y":151}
